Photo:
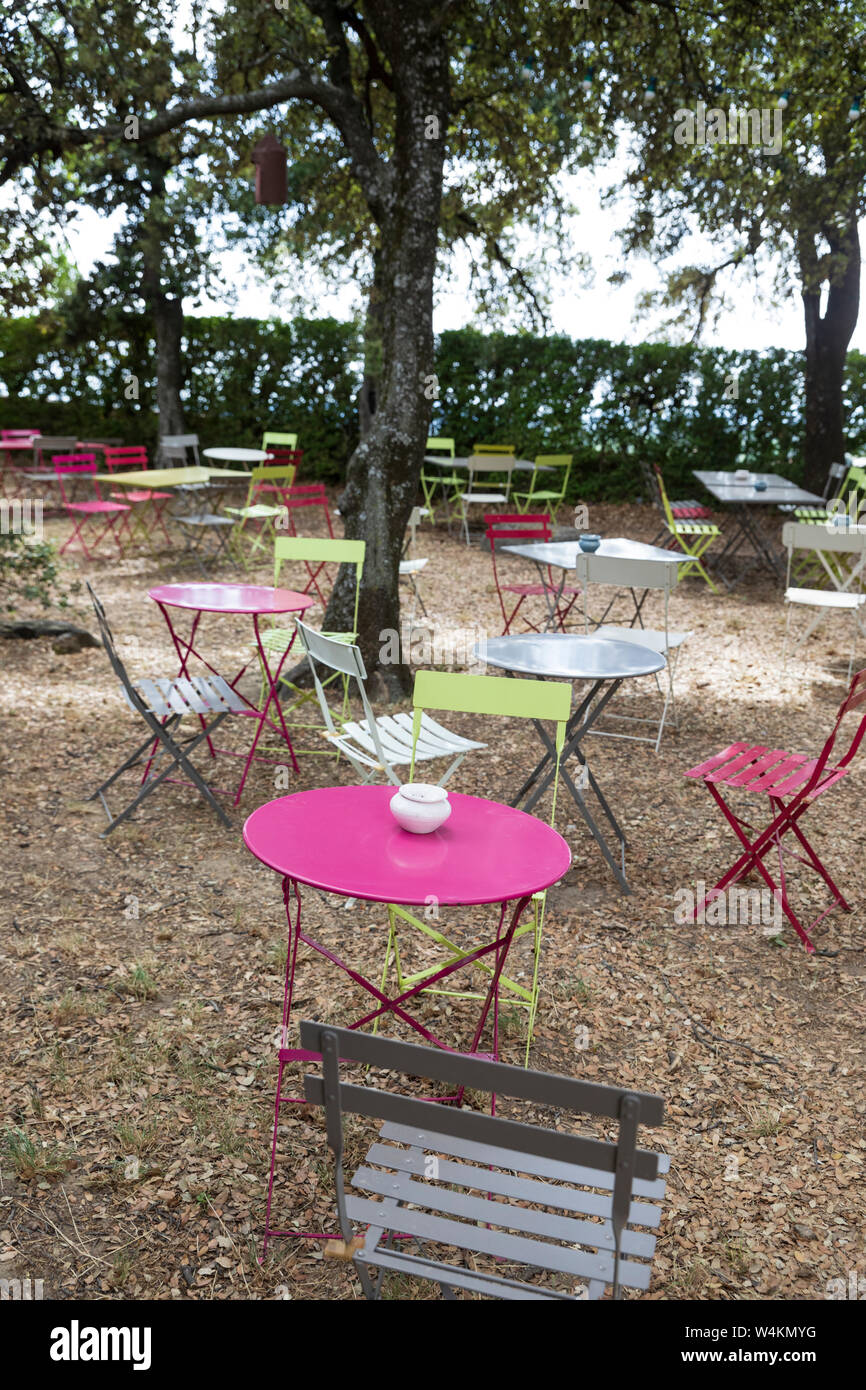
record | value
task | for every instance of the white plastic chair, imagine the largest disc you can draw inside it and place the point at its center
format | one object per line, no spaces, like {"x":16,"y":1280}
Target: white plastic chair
{"x":627,"y":573}
{"x":376,"y":743}
{"x":847,"y":597}
{"x":486,"y":463}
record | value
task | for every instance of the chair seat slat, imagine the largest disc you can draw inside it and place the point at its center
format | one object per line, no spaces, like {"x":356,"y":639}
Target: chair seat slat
{"x":438,"y":1199}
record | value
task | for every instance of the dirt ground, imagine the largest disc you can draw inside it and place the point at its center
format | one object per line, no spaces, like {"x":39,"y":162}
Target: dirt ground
{"x":142,"y":973}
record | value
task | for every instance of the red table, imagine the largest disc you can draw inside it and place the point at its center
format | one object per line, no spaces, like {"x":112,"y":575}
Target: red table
{"x":257,"y":601}
{"x":345,"y":840}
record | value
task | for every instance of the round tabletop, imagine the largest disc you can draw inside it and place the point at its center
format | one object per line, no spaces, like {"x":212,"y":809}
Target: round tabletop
{"x":345,"y":840}
{"x":231,"y":598}
{"x":570,"y":657}
{"x":237,"y":455}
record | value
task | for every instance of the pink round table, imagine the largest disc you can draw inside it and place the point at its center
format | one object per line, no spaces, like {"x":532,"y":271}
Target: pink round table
{"x":344,"y":840}
{"x":255,"y":601}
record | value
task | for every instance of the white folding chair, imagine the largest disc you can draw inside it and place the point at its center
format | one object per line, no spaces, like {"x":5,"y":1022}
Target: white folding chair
{"x":626,"y":573}
{"x":410,"y":564}
{"x":486,"y":463}
{"x":844,"y":597}
{"x":376,"y":744}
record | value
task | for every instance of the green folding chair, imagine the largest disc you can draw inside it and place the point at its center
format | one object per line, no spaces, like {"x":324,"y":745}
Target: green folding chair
{"x":692,"y":537}
{"x":545,"y":498}
{"x":274,"y":479}
{"x":282,"y":441}
{"x":433,"y":477}
{"x":457,"y":693}
{"x":315,"y":553}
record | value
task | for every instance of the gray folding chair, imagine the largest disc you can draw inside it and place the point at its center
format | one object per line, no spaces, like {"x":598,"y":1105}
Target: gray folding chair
{"x":481,"y":463}
{"x":174,"y":449}
{"x":162,"y":703}
{"x":625,"y":572}
{"x":518,"y":1193}
{"x":376,"y":743}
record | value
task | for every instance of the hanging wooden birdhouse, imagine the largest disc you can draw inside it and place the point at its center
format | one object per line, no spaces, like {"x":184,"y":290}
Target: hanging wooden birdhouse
{"x":269,"y":157}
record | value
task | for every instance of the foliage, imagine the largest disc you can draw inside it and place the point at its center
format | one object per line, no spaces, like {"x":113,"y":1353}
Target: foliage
{"x":29,"y":570}
{"x":674,"y":404}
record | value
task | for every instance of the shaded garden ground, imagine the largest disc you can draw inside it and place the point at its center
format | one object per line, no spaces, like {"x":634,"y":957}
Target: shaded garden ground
{"x":143,"y":977}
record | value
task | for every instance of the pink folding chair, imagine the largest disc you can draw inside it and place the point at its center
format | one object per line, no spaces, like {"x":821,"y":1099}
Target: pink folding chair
{"x":777,"y":775}
{"x":303,"y":495}
{"x":67,"y":466}
{"x":526,"y":526}
{"x":147,"y":505}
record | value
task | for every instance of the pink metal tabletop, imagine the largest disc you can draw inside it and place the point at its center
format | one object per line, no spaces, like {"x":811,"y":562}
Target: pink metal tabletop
{"x":345,"y":840}
{"x":231,"y":598}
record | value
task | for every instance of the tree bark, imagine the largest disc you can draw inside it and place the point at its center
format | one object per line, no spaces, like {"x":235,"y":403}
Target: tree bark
{"x":164,"y":308}
{"x":397,"y":394}
{"x":827,"y":339}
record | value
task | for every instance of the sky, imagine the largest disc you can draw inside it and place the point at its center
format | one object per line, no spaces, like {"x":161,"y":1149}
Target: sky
{"x":580,"y":306}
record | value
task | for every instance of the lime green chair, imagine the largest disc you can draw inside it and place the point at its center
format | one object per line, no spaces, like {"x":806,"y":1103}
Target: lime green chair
{"x":433,"y":477}
{"x":454,"y":692}
{"x":269,"y":480}
{"x":540,"y":497}
{"x":692,"y":537}
{"x":281,"y":441}
{"x":494,"y":449}
{"x":315,"y":553}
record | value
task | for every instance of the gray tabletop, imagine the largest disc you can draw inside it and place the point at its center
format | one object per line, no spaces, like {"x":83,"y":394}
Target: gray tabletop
{"x":570,"y":657}
{"x":522,"y":465}
{"x":563,"y":554}
{"x":725,"y":486}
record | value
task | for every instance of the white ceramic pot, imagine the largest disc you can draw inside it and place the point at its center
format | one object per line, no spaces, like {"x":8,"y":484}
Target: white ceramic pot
{"x":742,"y":475}
{"x":420,"y":807}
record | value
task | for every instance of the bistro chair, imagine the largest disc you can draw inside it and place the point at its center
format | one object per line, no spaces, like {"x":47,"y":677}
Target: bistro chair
{"x":506,"y":528}
{"x":275,"y":438}
{"x":162,"y":703}
{"x":626,"y":573}
{"x":476,"y":1202}
{"x":410,"y":564}
{"x":146,"y":513}
{"x":266,"y":481}
{"x":827,"y":542}
{"x":692,"y":537}
{"x":72,"y":466}
{"x":545,"y":496}
{"x":174,"y":449}
{"x":433,"y":477}
{"x":455,"y":692}
{"x":481,"y":464}
{"x":375,"y":744}
{"x":792,"y":783}
{"x":683,"y":509}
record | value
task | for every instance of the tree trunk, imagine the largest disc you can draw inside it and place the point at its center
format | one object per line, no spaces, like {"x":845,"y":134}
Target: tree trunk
{"x":396,"y":398}
{"x":165,"y":309}
{"x":827,"y":339}
{"x":167,"y":314}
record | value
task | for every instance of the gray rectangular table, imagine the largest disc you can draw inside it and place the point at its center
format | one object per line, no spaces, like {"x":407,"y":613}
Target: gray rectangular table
{"x":743,"y":497}
{"x":563,"y":555}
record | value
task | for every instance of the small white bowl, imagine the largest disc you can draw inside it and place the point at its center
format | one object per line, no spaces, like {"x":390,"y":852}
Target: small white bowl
{"x":742,"y":475}
{"x":420,"y":807}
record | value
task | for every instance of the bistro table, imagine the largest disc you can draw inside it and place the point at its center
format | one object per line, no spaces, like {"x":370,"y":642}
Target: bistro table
{"x":605,"y":664}
{"x":344,"y":840}
{"x":231,"y":455}
{"x":563,"y":555}
{"x":256,"y":601}
{"x":743,"y":496}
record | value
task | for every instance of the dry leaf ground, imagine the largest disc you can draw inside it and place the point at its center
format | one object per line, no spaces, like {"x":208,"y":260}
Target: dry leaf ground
{"x":142,"y":976}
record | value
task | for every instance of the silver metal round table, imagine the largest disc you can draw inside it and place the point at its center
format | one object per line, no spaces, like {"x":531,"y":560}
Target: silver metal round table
{"x":564,"y":656}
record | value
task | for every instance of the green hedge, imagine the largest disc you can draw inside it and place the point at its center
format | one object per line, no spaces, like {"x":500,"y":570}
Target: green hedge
{"x":607,"y":403}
